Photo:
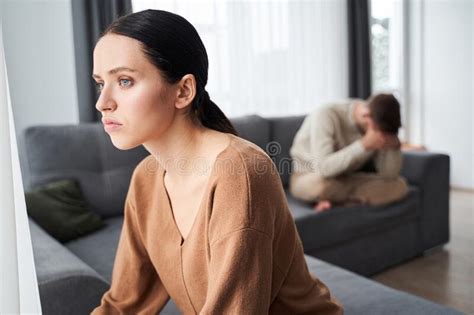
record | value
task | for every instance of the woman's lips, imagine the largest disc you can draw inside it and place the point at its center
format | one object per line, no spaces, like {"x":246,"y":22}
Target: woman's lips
{"x":111,"y":127}
{"x":111,"y":124}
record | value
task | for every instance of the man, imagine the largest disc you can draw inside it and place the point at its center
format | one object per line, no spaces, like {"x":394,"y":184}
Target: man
{"x":349,"y":152}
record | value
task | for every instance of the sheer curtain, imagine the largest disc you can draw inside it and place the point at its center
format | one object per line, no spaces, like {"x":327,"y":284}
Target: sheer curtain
{"x":90,"y":18}
{"x":18,"y":284}
{"x":271,"y":58}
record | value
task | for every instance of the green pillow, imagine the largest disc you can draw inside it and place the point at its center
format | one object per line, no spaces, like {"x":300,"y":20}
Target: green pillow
{"x":60,"y":210}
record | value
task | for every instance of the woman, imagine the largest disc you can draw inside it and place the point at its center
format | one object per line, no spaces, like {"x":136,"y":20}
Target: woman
{"x":206,"y":220}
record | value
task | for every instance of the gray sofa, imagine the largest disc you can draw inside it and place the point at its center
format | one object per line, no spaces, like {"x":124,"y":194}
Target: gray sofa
{"x":73,"y":276}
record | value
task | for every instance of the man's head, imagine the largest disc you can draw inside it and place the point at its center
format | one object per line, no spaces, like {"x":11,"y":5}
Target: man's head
{"x":382,"y":111}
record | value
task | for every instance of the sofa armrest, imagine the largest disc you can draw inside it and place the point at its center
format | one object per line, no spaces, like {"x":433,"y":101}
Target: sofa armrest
{"x":430,"y":172}
{"x":67,"y":285}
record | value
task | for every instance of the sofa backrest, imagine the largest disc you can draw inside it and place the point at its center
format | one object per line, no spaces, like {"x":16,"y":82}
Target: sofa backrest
{"x":83,"y":153}
{"x":282,"y":133}
{"x":86,"y":154}
{"x":253,"y":128}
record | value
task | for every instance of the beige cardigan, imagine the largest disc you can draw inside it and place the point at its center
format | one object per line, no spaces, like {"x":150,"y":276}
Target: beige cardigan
{"x":242,"y":255}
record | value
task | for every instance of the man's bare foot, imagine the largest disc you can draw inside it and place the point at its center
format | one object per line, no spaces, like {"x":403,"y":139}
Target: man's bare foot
{"x":322,"y":205}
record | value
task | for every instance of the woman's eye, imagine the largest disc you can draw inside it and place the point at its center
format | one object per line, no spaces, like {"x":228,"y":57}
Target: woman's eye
{"x":125,"y":82}
{"x":99,"y":87}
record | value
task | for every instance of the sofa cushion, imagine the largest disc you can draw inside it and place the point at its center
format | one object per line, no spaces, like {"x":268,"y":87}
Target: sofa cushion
{"x":360,"y":295}
{"x":60,"y":209}
{"x":253,"y":128}
{"x":329,"y":228}
{"x":98,"y":249}
{"x":66,"y":284}
{"x":84,"y":153}
{"x":282,"y":133}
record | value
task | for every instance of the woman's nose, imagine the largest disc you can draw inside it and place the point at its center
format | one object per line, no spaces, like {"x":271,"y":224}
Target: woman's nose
{"x":105,"y":103}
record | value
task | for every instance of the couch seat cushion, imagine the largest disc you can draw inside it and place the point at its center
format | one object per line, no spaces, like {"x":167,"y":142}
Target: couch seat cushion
{"x":360,"y":295}
{"x":319,"y":230}
{"x":98,"y":249}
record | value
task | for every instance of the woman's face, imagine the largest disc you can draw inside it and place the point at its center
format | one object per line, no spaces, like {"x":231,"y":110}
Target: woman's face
{"x":133,"y":93}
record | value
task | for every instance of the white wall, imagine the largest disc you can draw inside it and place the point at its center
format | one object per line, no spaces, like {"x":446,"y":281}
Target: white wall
{"x":40,"y":62}
{"x":441,"y":82}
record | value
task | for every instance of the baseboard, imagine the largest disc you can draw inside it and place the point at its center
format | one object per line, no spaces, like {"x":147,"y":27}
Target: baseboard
{"x":463,"y":189}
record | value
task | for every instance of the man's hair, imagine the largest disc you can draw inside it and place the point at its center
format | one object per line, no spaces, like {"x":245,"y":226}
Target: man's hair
{"x":385,"y":112}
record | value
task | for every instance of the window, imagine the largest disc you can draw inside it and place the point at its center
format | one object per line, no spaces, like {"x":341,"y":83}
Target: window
{"x":270,"y":58}
{"x":388,"y":49}
{"x":19,"y":292}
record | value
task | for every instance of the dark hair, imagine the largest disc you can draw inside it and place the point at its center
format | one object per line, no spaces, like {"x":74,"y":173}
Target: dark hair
{"x":385,"y":111}
{"x":173,"y":45}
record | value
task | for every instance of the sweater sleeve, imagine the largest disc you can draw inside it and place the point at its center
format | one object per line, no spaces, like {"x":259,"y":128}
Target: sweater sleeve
{"x":136,"y":287}
{"x":388,"y":162}
{"x":329,"y":162}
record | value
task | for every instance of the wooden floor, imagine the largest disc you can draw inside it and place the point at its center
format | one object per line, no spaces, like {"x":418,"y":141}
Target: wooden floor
{"x":445,"y":275}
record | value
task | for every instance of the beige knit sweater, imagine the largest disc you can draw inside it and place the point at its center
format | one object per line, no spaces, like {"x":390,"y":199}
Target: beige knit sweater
{"x":329,"y":144}
{"x":242,"y":255}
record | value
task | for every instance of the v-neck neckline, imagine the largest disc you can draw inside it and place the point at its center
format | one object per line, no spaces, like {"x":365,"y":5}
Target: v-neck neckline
{"x":168,"y":199}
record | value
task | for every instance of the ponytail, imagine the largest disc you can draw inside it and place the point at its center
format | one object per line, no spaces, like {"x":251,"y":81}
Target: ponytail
{"x":210,"y":115}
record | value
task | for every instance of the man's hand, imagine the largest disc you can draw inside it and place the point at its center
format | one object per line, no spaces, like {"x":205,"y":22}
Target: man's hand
{"x":373,"y":139}
{"x":378,"y":140}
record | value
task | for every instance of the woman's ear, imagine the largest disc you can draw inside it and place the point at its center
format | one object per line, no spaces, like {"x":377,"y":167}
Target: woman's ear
{"x":186,"y":91}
